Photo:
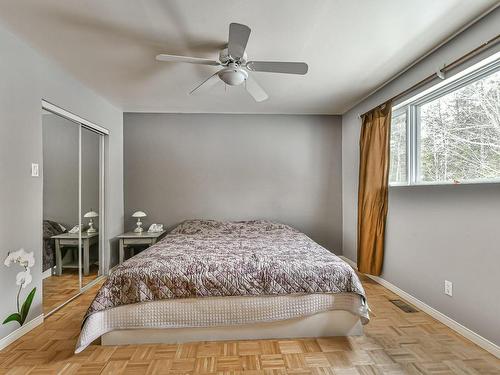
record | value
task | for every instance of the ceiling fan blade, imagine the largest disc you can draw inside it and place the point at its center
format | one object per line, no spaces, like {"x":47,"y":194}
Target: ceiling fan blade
{"x":186,"y":59}
{"x":278,"y":67}
{"x":207,"y":84}
{"x":238,"y":39}
{"x":255,"y":90}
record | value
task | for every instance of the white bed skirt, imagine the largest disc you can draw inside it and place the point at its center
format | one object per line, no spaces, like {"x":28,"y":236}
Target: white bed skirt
{"x":227,"y":318}
{"x":329,"y":323}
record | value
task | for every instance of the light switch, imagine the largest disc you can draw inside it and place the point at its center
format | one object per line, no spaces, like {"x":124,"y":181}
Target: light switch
{"x":448,"y":288}
{"x":34,"y":170}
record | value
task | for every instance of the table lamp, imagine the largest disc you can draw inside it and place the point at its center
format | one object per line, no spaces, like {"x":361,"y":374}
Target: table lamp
{"x":91,"y":214}
{"x":138,"y":215}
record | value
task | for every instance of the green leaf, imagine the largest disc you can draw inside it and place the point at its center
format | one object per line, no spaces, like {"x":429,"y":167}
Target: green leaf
{"x":25,"y":308}
{"x":13,"y":317}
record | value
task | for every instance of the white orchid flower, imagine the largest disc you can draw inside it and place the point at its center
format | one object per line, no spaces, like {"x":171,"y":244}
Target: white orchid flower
{"x":8,"y":260}
{"x":26,"y":260}
{"x":18,"y":255}
{"x":24,"y":278}
{"x":12,"y":257}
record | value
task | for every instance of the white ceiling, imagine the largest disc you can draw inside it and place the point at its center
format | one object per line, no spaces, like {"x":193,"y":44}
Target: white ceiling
{"x":351,"y":46}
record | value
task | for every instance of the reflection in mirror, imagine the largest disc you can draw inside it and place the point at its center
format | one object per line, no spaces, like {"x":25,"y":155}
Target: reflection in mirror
{"x":90,"y":185}
{"x":60,"y":210}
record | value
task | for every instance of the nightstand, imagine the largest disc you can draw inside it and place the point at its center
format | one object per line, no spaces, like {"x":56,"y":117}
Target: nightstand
{"x":71,"y":240}
{"x":133,"y":238}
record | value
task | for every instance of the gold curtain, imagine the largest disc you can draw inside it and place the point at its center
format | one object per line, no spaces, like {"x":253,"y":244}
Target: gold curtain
{"x":374,"y":145}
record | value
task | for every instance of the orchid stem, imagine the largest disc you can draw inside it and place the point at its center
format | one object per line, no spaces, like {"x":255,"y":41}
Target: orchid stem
{"x":18,"y":293}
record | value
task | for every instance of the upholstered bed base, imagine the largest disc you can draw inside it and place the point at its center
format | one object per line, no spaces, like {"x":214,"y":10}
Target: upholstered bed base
{"x":329,"y":323}
{"x":227,"y":318}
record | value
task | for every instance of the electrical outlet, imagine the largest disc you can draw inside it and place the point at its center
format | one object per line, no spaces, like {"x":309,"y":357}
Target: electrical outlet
{"x":34,"y":170}
{"x":448,"y":288}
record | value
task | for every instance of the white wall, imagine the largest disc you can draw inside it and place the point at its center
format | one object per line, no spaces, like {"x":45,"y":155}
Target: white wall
{"x":435,"y":232}
{"x":26,"y":79}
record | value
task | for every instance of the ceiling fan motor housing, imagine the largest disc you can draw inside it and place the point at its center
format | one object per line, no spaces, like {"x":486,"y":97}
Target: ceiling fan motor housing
{"x":233,"y":75}
{"x":225,"y":58}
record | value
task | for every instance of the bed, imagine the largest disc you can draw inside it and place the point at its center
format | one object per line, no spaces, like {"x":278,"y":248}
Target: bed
{"x":213,"y":280}
{"x":50,"y":229}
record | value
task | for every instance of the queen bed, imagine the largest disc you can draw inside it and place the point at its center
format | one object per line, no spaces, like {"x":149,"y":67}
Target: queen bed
{"x":212,"y":280}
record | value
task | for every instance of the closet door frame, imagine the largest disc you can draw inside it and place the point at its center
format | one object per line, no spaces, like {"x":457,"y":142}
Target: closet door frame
{"x":102,"y":132}
{"x":75,"y":118}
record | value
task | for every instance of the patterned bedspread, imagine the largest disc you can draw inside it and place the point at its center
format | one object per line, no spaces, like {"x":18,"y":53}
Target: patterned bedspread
{"x":206,"y":258}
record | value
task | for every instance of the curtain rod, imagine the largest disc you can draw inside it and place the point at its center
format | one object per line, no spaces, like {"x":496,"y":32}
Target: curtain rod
{"x":428,"y":53}
{"x":440,"y":73}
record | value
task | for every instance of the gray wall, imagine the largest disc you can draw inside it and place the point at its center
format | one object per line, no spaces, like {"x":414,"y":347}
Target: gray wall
{"x":435,"y":232}
{"x":283,"y":168}
{"x":61,"y":167}
{"x":27,"y":78}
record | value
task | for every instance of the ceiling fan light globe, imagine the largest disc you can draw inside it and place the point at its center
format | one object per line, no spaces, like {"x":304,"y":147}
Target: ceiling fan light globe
{"x":233,"y":76}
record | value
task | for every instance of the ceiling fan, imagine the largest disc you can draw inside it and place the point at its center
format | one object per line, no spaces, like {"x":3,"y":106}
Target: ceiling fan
{"x":235,"y":66}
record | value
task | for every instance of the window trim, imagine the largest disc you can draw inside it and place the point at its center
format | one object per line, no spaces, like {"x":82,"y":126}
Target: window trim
{"x":474,"y":73}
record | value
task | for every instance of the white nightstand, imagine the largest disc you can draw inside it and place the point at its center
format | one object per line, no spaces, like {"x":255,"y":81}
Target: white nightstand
{"x":133,"y":238}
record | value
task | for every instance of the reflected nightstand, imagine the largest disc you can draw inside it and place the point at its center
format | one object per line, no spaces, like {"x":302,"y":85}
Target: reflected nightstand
{"x":71,"y":240}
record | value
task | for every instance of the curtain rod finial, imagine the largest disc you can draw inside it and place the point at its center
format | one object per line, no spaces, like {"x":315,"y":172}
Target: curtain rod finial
{"x":441,"y":73}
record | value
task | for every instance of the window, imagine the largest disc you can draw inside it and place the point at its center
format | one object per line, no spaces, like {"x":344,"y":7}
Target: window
{"x":399,"y":145}
{"x":450,"y":133}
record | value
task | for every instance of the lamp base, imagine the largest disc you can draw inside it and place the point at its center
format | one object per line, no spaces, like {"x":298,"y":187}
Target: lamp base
{"x":139,"y":229}
{"x":91,"y":227}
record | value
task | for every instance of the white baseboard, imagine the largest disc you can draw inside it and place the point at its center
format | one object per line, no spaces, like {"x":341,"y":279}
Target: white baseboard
{"x":13,"y":336}
{"x":454,"y":325}
{"x":47,"y":273}
{"x":349,"y":261}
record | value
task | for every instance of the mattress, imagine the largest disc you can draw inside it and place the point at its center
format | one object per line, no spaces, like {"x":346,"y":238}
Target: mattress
{"x":216,"y":312}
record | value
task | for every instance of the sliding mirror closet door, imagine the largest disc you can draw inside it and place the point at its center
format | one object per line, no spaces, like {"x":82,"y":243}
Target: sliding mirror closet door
{"x":73,"y":205}
{"x":60,"y":171}
{"x":91,"y":217}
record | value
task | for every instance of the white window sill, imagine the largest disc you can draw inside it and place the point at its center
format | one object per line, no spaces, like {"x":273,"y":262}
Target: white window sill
{"x":403,"y":185}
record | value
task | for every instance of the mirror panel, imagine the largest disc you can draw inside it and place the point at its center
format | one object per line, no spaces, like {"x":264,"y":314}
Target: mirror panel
{"x":90,"y":206}
{"x":60,"y":171}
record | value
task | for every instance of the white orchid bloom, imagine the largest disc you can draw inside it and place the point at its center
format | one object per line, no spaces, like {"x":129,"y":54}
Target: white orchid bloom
{"x":28,"y":259}
{"x":13,"y":256}
{"x":21,"y":257}
{"x":20,"y":277}
{"x":8,"y":260}
{"x":18,"y":255}
{"x":24,"y":278}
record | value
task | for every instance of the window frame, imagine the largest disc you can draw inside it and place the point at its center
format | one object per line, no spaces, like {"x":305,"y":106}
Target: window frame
{"x":481,"y":70}
{"x":397,"y":112}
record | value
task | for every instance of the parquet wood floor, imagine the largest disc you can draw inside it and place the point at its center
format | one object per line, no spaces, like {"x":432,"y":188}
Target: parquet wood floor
{"x":59,"y":289}
{"x":394,"y":343}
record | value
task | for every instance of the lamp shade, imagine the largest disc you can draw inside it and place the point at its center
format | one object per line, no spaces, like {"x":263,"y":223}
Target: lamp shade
{"x":91,"y":214}
{"x":139,"y":214}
